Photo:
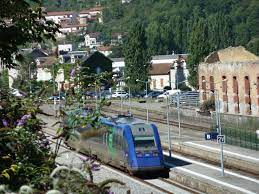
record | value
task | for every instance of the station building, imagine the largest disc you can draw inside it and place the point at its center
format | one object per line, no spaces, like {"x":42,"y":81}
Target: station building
{"x":231,"y":76}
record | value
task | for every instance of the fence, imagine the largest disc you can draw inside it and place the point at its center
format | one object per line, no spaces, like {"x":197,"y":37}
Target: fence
{"x":241,"y":137}
{"x":189,"y":99}
{"x":242,"y":134}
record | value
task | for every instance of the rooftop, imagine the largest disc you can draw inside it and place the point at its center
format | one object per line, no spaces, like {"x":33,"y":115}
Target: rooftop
{"x":231,"y":54}
{"x":160,"y":69}
{"x":57,"y":13}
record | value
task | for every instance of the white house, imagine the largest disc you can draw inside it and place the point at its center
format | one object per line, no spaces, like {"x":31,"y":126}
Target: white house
{"x":94,"y":13}
{"x":71,"y":56}
{"x":58,"y":15}
{"x":64,"y":47}
{"x":166,"y":70}
{"x":159,"y":74}
{"x":93,"y":40}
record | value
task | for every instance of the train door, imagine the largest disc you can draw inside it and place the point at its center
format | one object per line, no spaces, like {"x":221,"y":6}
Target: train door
{"x":125,"y":152}
{"x":110,"y":143}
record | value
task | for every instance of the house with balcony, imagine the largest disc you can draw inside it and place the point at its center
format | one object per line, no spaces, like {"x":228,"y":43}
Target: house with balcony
{"x":93,"y":40}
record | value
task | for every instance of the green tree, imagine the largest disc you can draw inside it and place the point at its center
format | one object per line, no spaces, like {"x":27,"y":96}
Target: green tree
{"x":198,"y":47}
{"x":220,"y":33}
{"x":22,"y":21}
{"x":137,"y":57}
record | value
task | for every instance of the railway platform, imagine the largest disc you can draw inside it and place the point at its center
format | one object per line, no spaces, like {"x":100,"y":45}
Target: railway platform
{"x":195,"y":162}
{"x":205,"y":174}
{"x":202,"y":169}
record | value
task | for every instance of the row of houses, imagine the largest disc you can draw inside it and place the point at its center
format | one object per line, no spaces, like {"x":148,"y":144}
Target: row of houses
{"x":71,"y":21}
{"x":163,"y":71}
{"x":229,"y":75}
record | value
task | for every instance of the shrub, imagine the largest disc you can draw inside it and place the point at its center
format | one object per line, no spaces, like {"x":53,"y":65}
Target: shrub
{"x":208,"y":105}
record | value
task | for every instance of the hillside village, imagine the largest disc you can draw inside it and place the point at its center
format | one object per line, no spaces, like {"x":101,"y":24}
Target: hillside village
{"x":129,"y":96}
{"x":163,"y":68}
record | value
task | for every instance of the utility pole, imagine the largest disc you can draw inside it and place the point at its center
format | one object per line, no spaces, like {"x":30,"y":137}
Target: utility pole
{"x":168,"y":127}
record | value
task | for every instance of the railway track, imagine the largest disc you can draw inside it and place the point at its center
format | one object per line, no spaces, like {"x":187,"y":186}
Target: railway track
{"x":159,"y":118}
{"x":161,"y":185}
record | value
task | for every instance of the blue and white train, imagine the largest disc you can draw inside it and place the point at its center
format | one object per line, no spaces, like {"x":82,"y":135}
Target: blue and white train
{"x":129,"y":144}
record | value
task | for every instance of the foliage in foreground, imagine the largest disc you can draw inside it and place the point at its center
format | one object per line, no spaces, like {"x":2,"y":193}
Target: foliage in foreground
{"x":22,"y":21}
{"x":27,"y":163}
{"x":25,"y":156}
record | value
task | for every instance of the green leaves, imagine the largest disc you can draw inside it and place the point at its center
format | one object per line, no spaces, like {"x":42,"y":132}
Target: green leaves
{"x":22,"y":21}
{"x":137,"y":57}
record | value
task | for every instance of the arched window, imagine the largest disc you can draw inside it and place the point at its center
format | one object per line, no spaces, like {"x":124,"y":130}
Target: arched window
{"x":257,"y":90}
{"x":212,"y":87}
{"x":203,"y":87}
{"x":225,"y":93}
{"x":235,"y":94}
{"x":247,"y":95}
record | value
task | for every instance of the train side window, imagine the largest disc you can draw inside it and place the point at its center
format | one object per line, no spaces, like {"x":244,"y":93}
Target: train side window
{"x":115,"y":140}
{"x":125,"y":144}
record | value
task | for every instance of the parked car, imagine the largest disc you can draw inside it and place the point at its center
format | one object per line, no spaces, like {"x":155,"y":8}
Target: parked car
{"x":104,"y":94}
{"x":153,"y":94}
{"x":120,"y":94}
{"x":90,"y":94}
{"x":56,"y":97}
{"x":137,"y":94}
{"x":17,"y":93}
{"x":167,"y":94}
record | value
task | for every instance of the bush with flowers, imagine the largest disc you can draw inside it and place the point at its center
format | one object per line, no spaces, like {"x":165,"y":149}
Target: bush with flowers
{"x":27,"y":163}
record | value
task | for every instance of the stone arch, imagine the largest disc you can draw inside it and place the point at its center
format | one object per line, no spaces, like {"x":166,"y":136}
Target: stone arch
{"x":236,"y":95}
{"x":212,"y":87}
{"x":247,"y":95}
{"x":225,"y":93}
{"x":257,"y":89}
{"x":203,"y":87}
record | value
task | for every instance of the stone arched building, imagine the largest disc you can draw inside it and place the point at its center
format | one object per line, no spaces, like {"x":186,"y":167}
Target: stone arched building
{"x":232,"y":75}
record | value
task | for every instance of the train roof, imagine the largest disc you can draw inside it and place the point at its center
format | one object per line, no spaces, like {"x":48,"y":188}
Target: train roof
{"x":138,"y":126}
{"x":121,"y":119}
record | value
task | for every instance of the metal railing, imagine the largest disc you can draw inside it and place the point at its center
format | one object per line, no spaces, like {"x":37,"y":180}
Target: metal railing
{"x":189,"y":99}
{"x":241,"y":137}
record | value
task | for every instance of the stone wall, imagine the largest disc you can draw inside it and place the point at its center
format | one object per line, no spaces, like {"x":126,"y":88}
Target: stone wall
{"x":235,"y":75}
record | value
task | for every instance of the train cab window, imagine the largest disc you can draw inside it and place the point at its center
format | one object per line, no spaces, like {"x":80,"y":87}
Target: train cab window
{"x":144,"y":142}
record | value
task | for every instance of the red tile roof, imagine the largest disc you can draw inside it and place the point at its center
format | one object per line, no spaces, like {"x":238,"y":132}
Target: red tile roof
{"x":104,"y":48}
{"x":160,"y":69}
{"x":57,"y":13}
{"x":47,"y":61}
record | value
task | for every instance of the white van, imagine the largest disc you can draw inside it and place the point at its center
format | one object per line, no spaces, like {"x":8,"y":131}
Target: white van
{"x":120,"y":94}
{"x":168,"y":93}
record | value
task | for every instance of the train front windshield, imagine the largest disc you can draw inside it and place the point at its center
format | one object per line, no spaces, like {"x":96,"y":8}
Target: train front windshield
{"x":144,"y":142}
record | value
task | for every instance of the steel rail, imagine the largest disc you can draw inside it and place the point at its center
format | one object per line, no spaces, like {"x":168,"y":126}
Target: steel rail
{"x":154,"y":186}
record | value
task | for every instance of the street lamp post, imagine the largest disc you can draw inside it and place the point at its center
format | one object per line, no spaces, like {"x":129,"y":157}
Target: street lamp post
{"x":178,"y":104}
{"x":127,"y":78}
{"x":146,"y":82}
{"x":122,"y":79}
{"x":218,"y":123}
{"x":178,"y":108}
{"x":168,"y":127}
